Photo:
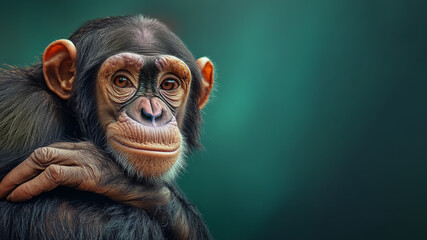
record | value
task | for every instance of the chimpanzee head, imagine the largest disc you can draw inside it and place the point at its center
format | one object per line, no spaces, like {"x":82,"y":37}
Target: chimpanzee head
{"x":135,"y":89}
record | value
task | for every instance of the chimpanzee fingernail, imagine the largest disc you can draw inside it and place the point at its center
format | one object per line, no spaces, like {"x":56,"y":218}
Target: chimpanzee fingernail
{"x":9,"y":198}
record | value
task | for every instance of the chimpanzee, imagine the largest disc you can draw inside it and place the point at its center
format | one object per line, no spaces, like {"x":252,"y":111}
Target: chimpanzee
{"x":93,"y":136}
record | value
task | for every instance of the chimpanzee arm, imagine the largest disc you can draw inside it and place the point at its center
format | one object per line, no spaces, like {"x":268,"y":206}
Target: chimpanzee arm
{"x":181,"y":218}
{"x":83,"y":167}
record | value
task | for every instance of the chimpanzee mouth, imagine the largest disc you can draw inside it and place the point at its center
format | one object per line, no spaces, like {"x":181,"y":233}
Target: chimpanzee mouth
{"x":128,"y":133}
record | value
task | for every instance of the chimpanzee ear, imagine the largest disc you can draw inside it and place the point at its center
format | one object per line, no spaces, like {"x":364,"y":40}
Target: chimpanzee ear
{"x":206,"y":68}
{"x":58,"y":67}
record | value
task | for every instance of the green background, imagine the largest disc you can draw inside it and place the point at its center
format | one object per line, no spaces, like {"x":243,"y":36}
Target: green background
{"x":317,"y":128}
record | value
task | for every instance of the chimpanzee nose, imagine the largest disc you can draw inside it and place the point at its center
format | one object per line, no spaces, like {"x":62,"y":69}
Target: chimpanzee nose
{"x":150,"y":116}
{"x":149,"y":111}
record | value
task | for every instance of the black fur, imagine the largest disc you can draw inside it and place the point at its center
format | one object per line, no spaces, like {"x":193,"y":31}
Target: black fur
{"x":32,"y":116}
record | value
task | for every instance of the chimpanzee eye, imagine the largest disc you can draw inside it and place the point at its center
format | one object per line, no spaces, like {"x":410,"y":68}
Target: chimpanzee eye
{"x":122,"y":82}
{"x":169,"y":84}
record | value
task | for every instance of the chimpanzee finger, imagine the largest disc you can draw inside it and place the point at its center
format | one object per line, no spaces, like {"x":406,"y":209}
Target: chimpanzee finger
{"x":52,"y":177}
{"x":33,"y":165}
{"x":23,"y":172}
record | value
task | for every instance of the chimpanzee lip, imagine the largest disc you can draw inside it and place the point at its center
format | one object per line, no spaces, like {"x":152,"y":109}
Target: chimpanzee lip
{"x":146,"y":149}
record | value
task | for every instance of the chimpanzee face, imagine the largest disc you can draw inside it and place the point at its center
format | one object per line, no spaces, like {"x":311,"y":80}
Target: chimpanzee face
{"x":141,"y":101}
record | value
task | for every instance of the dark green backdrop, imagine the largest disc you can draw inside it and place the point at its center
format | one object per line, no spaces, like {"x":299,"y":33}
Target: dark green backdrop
{"x":317,"y":128}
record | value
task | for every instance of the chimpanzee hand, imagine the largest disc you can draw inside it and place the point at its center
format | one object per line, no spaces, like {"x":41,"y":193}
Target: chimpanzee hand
{"x":81,"y":166}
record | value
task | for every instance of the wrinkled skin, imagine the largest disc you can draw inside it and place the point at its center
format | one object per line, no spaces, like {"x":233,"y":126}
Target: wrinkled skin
{"x":83,"y":167}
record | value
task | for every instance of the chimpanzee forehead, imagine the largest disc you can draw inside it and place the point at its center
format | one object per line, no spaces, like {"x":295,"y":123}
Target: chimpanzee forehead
{"x":152,"y":64}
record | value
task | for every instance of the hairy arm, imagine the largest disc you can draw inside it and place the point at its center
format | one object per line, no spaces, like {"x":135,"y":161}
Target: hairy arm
{"x":84,"y":167}
{"x":181,"y":218}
